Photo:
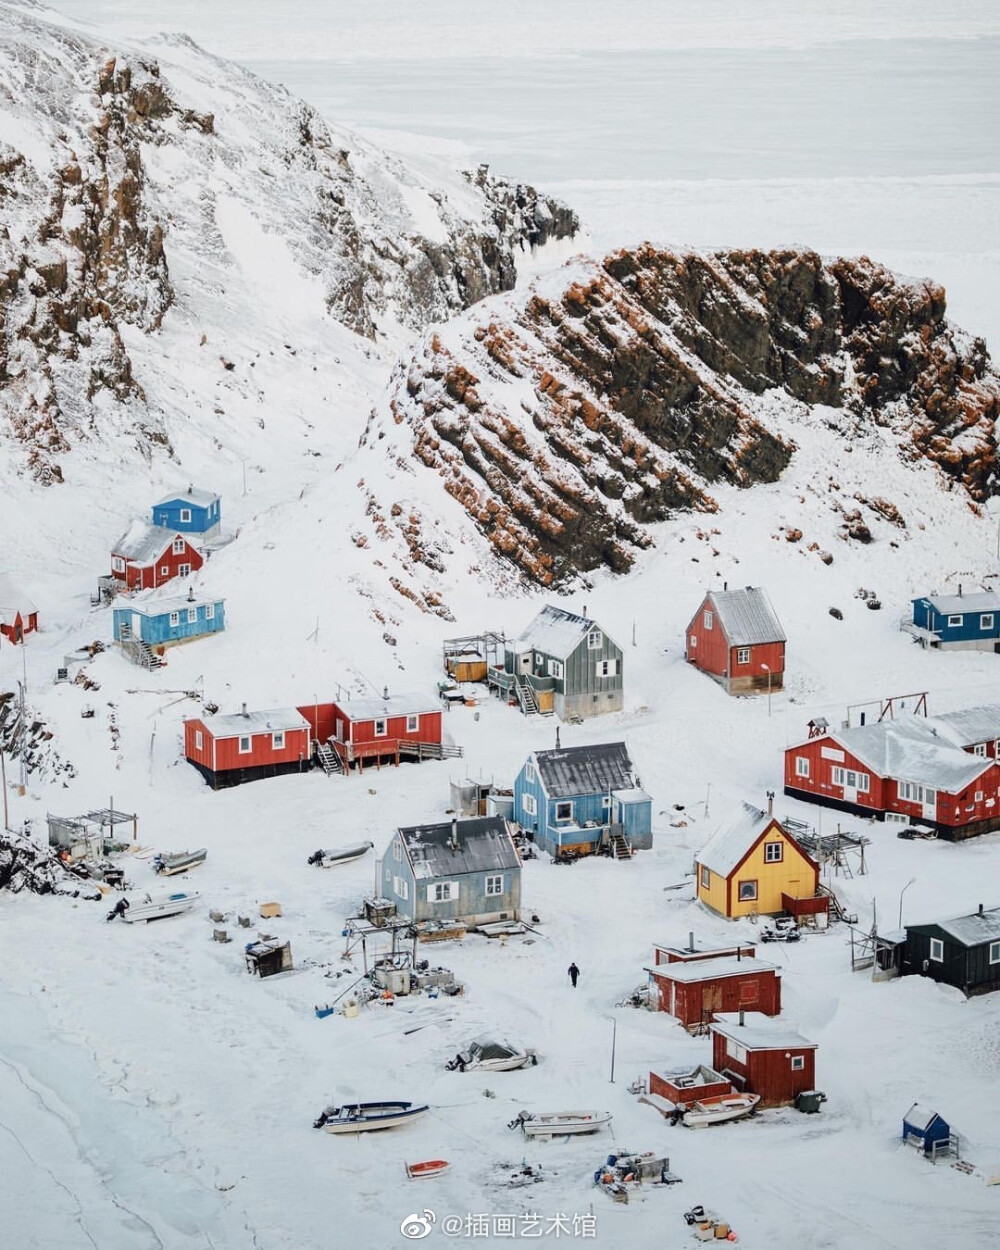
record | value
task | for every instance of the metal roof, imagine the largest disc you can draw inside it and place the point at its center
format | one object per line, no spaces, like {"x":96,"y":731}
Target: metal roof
{"x":555,"y":632}
{"x":972,"y":724}
{"x":916,"y":749}
{"x":953,"y":605}
{"x":746,"y":616}
{"x":200,"y":498}
{"x":143,"y":543}
{"x":972,"y":930}
{"x":760,"y":1032}
{"x":727,"y":846}
{"x":159,"y":607}
{"x":274,"y":721}
{"x":920,"y":1118}
{"x":12,"y":600}
{"x":598,"y":769}
{"x":709,"y":969}
{"x":482,"y":844}
{"x":395,"y":705}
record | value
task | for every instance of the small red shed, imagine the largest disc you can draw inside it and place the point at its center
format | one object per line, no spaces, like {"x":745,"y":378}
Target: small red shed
{"x":736,"y":638}
{"x":228,"y":750}
{"x":149,"y":555}
{"x":363,"y":730}
{"x":763,"y":1056}
{"x":18,"y":615}
{"x":689,"y":1084}
{"x":695,"y":992}
{"x":700,"y":950}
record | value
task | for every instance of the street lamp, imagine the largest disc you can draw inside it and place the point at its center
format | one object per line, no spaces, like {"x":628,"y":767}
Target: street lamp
{"x":768,"y":671}
{"x":901,"y":893}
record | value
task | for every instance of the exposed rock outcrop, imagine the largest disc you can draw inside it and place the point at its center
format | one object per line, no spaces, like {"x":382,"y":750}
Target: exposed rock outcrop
{"x":613,"y":394}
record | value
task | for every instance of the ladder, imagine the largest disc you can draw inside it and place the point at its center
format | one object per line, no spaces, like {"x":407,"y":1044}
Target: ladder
{"x":328,"y":759}
{"x":526,"y":697}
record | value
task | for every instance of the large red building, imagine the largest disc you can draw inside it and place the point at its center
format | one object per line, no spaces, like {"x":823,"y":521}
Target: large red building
{"x":694,"y":992}
{"x":149,"y":555}
{"x":229,"y":750}
{"x":942,"y":772}
{"x":367,"y":730}
{"x":736,"y":638}
{"x":763,"y":1056}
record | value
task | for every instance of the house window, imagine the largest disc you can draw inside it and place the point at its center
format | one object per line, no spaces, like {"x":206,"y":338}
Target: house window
{"x":937,"y":950}
{"x":530,"y":806}
{"x":980,"y":750}
{"x":774,"y":852}
{"x":412,"y":724}
{"x":494,"y":886}
{"x":555,"y":669}
{"x":694,"y":642}
{"x":209,"y":611}
{"x":164,"y":570}
{"x":996,"y":747}
{"x":606,"y":803}
{"x":192,"y":615}
{"x":564,"y":811}
{"x":742,"y":655}
{"x":185,"y":514}
{"x":595,"y":640}
{"x":245,"y":746}
{"x":995,"y":952}
{"x":380,"y":729}
{"x":442,"y":892}
{"x":397,"y":850}
{"x":706,"y":877}
{"x":117,"y":564}
{"x":979,"y":796}
{"x":607,"y":668}
{"x":986,"y":621}
{"x":183,"y":570}
{"x":735,"y":1051}
{"x":198,"y":743}
{"x":748,"y":892}
{"x":529,"y":774}
{"x":848,"y":777}
{"x":178,"y":547}
{"x":955,"y":622}
{"x":401,"y":887}
{"x":801,"y":766}
{"x":175,"y":618}
{"x":278,"y":741}
{"x":798,"y":1063}
{"x":707,"y":619}
{"x":910,"y":792}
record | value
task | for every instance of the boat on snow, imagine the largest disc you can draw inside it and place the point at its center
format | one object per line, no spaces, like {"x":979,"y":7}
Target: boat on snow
{"x":718,"y":1108}
{"x":152,"y":906}
{"x":429,"y":1167}
{"x":364,"y":1117}
{"x":544,"y":1125}
{"x":183,"y":861}
{"x":340,"y":855}
{"x":491,"y":1056}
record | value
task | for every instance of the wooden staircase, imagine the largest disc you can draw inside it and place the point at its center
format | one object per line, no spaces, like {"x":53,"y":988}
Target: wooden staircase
{"x":138,"y":652}
{"x":620,"y":846}
{"x":328,"y":759}
{"x":526,"y":698}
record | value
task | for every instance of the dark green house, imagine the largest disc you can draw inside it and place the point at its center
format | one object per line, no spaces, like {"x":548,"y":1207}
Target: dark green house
{"x":964,"y":952}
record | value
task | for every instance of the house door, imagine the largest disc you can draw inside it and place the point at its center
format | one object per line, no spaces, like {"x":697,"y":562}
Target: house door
{"x":850,"y":786}
{"x":340,"y":730}
{"x":711,"y":1000}
{"x":930,"y":804}
{"x":136,"y":625}
{"x":524,"y":662}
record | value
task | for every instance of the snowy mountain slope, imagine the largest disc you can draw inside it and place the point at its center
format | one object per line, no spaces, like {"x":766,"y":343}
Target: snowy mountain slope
{"x":138,"y":178}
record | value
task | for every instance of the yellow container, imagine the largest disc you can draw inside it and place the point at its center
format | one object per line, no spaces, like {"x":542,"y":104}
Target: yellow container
{"x":269,"y":910}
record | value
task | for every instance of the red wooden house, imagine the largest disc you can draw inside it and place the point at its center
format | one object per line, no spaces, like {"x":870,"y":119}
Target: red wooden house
{"x":688,"y":1085}
{"x":694,"y":992}
{"x":18,"y":615}
{"x":228,"y":750}
{"x":938,"y":771}
{"x":763,"y":1056}
{"x":736,"y":638}
{"x":364,"y":730}
{"x":149,"y":555}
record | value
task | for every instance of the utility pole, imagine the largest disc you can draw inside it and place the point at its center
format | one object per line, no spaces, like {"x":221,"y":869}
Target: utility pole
{"x":3,"y":778}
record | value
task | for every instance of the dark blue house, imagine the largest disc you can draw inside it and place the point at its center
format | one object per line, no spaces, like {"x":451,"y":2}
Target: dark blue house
{"x":192,"y":511}
{"x":925,"y":1128}
{"x":958,"y":622}
{"x":164,"y":622}
{"x":583,"y":800}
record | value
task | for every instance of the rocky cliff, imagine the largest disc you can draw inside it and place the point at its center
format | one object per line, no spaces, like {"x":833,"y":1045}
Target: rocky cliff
{"x":127,"y":178}
{"x":610,"y":395}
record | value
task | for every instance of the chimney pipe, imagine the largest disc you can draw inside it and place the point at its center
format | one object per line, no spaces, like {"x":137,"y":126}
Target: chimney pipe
{"x":980,"y":909}
{"x":959,"y":590}
{"x":385,"y":692}
{"x":245,"y":712}
{"x":770,"y":802}
{"x":741,"y":1018}
{"x":691,"y":941}
{"x":453,"y":841}
{"x":190,"y":594}
{"x":725,"y":585}
{"x":557,"y":737}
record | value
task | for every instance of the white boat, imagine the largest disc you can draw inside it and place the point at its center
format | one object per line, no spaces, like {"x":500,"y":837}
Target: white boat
{"x":364,"y":1117}
{"x":718,"y":1108}
{"x":152,"y":906}
{"x":182,"y":861}
{"x":491,"y":1056}
{"x":545,"y":1125}
{"x":341,"y":855}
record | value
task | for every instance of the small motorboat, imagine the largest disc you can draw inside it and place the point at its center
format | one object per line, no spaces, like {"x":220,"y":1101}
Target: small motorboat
{"x":152,"y":906}
{"x":365,"y":1117}
{"x":341,"y":855}
{"x":183,"y":861}
{"x":491,"y":1056}
{"x":544,"y":1125}
{"x":429,"y":1167}
{"x":718,"y":1108}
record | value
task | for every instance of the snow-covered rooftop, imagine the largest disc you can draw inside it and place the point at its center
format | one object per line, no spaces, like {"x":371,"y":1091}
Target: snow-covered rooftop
{"x":481,"y":844}
{"x":746,"y":616}
{"x":193,"y":494}
{"x":274,"y":720}
{"x":555,"y":632}
{"x":760,"y":1032}
{"x":711,"y":969}
{"x":142,"y":542}
{"x":972,"y":724}
{"x":952,"y":605}
{"x":597,"y":769}
{"x":917,"y":749}
{"x":157,"y":607}
{"x":13,"y":599}
{"x":395,"y":705}
{"x":727,"y":846}
{"x":971,"y":930}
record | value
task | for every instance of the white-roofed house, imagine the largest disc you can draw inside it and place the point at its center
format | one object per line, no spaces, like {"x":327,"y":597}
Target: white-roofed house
{"x":18,"y":615}
{"x":191,"y":511}
{"x":736,"y":637}
{"x":229,"y":750}
{"x":763,"y":1055}
{"x":372,"y":729}
{"x":753,"y":866}
{"x":964,"y":951}
{"x":959,"y":622}
{"x":562,"y":663}
{"x":147,"y":555}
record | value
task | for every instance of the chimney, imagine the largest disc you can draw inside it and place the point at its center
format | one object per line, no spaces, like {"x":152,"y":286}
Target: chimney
{"x":245,"y":712}
{"x":691,"y":942}
{"x":741,"y":1018}
{"x":959,"y":590}
{"x":190,"y":594}
{"x":770,"y":802}
{"x":980,"y":909}
{"x":190,"y":488}
{"x":557,"y":737}
{"x":584,"y":613}
{"x":725,"y":585}
{"x":385,"y":692}
{"x":453,"y":840}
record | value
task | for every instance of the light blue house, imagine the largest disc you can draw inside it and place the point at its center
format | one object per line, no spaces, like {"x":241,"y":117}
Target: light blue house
{"x":958,"y":622}
{"x":583,"y":800}
{"x":165,"y":622}
{"x":459,"y":870}
{"x":192,"y":511}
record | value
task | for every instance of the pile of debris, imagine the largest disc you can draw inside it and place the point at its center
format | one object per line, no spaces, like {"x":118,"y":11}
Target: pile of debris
{"x":24,"y":866}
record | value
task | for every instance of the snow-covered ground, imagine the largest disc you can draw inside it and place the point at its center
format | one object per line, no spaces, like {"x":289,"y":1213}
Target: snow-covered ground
{"x":154,"y":1095}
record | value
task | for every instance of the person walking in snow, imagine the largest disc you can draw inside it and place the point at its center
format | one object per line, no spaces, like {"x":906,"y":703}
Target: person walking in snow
{"x":574,"y":973}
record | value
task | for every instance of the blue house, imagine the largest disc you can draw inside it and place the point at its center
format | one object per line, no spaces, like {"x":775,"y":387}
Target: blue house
{"x":192,"y":511}
{"x":165,"y":622}
{"x":584,"y":800}
{"x":458,"y":870}
{"x":958,"y":622}
{"x":925,"y":1128}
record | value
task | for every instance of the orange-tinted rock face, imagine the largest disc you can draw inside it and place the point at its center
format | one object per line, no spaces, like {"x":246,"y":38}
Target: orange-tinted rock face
{"x":568,"y":423}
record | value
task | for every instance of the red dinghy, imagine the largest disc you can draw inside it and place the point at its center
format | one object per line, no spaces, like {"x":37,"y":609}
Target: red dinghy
{"x":429,"y":1167}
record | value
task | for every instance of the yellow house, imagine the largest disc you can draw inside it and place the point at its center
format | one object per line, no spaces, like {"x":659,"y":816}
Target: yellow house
{"x":749,"y":864}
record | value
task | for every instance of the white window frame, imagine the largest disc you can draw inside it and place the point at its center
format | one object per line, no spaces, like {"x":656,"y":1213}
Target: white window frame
{"x":694,"y":641}
{"x":913,"y":792}
{"x":994,"y":953}
{"x":978,"y":797}
{"x":494,"y":886}
{"x":164,"y":570}
{"x":980,"y":750}
{"x":248,"y":739}
{"x":413,"y":724}
{"x":183,"y":570}
{"x":798,"y":1063}
{"x":595,"y":640}
{"x":606,"y":668}
{"x":746,"y":891}
{"x":185,"y":515}
{"x":802,"y":765}
{"x":529,"y":804}
{"x":442,"y":892}
{"x":708,"y":619}
{"x":986,"y":620}
{"x":606,"y":802}
{"x":735,"y":1051}
{"x":401,"y":887}
{"x":209,"y":611}
{"x":742,"y":655}
{"x":529,"y":774}
{"x":199,"y":741}
{"x":705,"y":877}
{"x":383,"y":732}
{"x":178,"y":546}
{"x":937,"y":950}
{"x":996,"y":747}
{"x":955,"y":622}
{"x":175,"y":618}
{"x":192,"y":616}
{"x":278,"y":740}
{"x":117,"y":564}
{"x":555,"y":669}
{"x":861,"y":782}
{"x":397,"y":850}
{"x":568,"y":805}
{"x":769,"y":848}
